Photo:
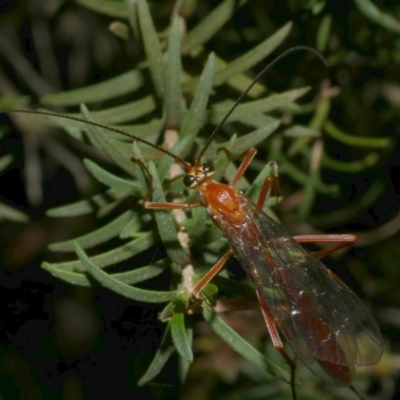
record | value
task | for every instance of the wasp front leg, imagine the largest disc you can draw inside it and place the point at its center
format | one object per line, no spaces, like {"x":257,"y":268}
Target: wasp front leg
{"x":151,"y":205}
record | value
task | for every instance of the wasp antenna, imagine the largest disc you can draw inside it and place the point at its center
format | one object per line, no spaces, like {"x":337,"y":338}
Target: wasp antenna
{"x":255,"y":80}
{"x":185,"y":164}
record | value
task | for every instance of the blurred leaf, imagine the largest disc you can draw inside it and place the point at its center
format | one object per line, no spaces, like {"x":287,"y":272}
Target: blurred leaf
{"x":87,"y":206}
{"x":241,"y":346}
{"x":122,"y":84}
{"x":195,"y":118}
{"x":97,"y":236}
{"x":324,"y":32}
{"x":352,"y":209}
{"x":350,"y":167}
{"x":5,"y":161}
{"x":124,"y":113}
{"x":15,"y":101}
{"x":241,"y":82}
{"x":244,"y":143}
{"x":351,"y":140}
{"x":301,"y":131}
{"x":110,"y":8}
{"x":209,"y":25}
{"x":252,"y":57}
{"x":372,"y":12}
{"x":173,"y":94}
{"x":120,"y":30}
{"x":152,"y":46}
{"x":257,"y":106}
{"x":12,"y":214}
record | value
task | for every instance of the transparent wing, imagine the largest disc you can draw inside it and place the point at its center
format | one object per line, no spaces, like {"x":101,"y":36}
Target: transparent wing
{"x":320,"y":316}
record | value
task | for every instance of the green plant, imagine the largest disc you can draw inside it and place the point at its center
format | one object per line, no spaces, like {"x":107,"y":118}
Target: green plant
{"x":172,"y":85}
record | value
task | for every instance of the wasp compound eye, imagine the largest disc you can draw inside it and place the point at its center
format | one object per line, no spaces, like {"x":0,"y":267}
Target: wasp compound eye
{"x":188,"y":180}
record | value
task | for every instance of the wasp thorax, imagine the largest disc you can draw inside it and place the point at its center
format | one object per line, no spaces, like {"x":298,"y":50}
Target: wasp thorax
{"x":198,"y":175}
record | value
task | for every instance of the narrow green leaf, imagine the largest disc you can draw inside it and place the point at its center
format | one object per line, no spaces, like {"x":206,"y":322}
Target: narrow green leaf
{"x":323,"y":33}
{"x":87,"y":206}
{"x":358,"y":141}
{"x":5,"y":161}
{"x":209,"y":236}
{"x":371,"y":11}
{"x":112,"y":257}
{"x":351,"y":210}
{"x":134,"y":225}
{"x":122,"y":84}
{"x":199,"y":219}
{"x":152,"y":46}
{"x":130,"y":292}
{"x":103,"y":141}
{"x":133,"y":20}
{"x":141,"y":274}
{"x":252,"y":57}
{"x":160,"y":359}
{"x":179,"y":334}
{"x":241,"y":346}
{"x":165,"y":223}
{"x":184,"y":364}
{"x":209,"y":25}
{"x":265,"y":105}
{"x":111,"y":8}
{"x":173,"y":94}
{"x":301,"y":131}
{"x":12,"y":214}
{"x":110,"y":208}
{"x":124,"y":113}
{"x":74,"y":278}
{"x":150,"y":130}
{"x":82,"y":279}
{"x":350,"y":167}
{"x":197,"y":113}
{"x":256,"y":120}
{"x":13,"y":102}
{"x":244,"y":143}
{"x":309,"y":189}
{"x":97,"y":236}
{"x":115,"y":182}
{"x":286,"y":167}
{"x":239,"y":82}
{"x":137,"y":163}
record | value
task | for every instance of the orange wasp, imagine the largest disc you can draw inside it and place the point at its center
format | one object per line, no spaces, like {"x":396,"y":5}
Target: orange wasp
{"x":328,"y":327}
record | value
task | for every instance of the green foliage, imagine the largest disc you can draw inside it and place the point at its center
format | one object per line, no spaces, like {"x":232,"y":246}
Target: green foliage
{"x":169,"y":87}
{"x":180,"y":85}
